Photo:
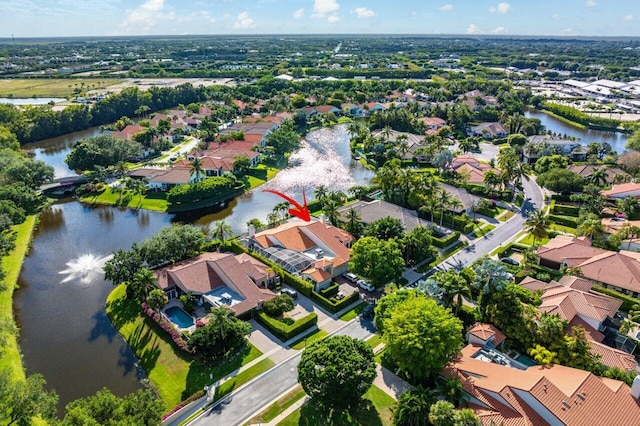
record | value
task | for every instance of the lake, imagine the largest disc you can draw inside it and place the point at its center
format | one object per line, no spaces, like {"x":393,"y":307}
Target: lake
{"x":617,"y":140}
{"x":65,"y":334}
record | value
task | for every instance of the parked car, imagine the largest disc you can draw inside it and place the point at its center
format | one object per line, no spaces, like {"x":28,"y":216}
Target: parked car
{"x":510,"y":261}
{"x":351,"y":277}
{"x":289,"y":292}
{"x":365,"y":285}
{"x":368,"y":311}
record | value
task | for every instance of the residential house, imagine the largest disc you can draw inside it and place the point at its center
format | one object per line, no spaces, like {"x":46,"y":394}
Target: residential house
{"x":165,"y":179}
{"x":374,"y":106}
{"x":472,"y":168}
{"x":618,"y":271}
{"x":622,"y":190}
{"x":548,"y":145}
{"x":353,"y":110}
{"x":433,"y":123}
{"x":128,"y":132}
{"x":488,"y":130}
{"x":324,"y":109}
{"x":239,"y":282}
{"x":502,"y":393}
{"x":482,"y":334}
{"x":612,"y":174}
{"x":467,"y":200}
{"x":253,"y":131}
{"x":314,"y":250}
{"x":477,"y":101}
{"x":413,"y":142}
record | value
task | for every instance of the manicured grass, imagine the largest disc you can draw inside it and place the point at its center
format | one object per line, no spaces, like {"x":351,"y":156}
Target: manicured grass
{"x":508,"y":214}
{"x":374,"y":410}
{"x":272,"y":411}
{"x":51,"y":87}
{"x":175,"y":374}
{"x":243,"y":377}
{"x":528,"y":240}
{"x":483,"y":230}
{"x":374,"y":341}
{"x":303,"y":342}
{"x":156,"y":201}
{"x":12,"y":264}
{"x":563,"y":228}
{"x":353,"y":312}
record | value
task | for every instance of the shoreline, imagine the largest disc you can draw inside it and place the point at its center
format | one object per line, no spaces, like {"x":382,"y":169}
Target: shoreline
{"x":12,"y":357}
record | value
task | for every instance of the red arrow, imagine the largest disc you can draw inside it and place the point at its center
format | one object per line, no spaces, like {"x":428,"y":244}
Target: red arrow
{"x":299,"y":211}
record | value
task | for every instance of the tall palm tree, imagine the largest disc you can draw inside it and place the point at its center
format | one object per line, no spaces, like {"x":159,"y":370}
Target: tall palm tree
{"x":444,"y":201}
{"x":454,"y":287}
{"x":222,"y":230}
{"x":282,"y":209}
{"x":386,"y":133}
{"x":598,"y":177}
{"x":591,"y":228}
{"x":143,"y":282}
{"x":537,"y":225}
{"x":321,"y":192}
{"x":331,"y":211}
{"x":455,"y":204}
{"x":196,"y":167}
{"x":122,"y":168}
{"x":352,"y":222}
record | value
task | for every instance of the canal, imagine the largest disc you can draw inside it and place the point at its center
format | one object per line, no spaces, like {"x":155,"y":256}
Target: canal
{"x":65,"y":334}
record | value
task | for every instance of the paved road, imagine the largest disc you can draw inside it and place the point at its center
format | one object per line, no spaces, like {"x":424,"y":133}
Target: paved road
{"x":488,"y":243}
{"x":258,"y":394}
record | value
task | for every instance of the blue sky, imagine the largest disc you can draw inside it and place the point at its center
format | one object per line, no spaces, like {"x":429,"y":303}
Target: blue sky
{"x":42,"y":18}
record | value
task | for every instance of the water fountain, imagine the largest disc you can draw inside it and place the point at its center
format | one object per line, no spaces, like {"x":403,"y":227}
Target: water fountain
{"x":85,"y":268}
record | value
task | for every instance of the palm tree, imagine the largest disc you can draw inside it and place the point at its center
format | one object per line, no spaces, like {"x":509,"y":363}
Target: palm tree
{"x":281,"y":209}
{"x":444,"y":201}
{"x":543,"y":356}
{"x":143,"y":282}
{"x":591,"y":228}
{"x":222,"y":230}
{"x":196,"y":167}
{"x":598,"y":177}
{"x":628,"y":205}
{"x":537,"y":225}
{"x":454,"y":287}
{"x":331,"y":211}
{"x":122,"y":168}
{"x":413,"y":407}
{"x":386,"y":133}
{"x":455,"y":204}
{"x":352,"y":223}
{"x":431,"y":205}
{"x":321,"y":192}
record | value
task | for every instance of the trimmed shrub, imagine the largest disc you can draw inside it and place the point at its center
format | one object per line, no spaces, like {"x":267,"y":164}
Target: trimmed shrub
{"x":332,"y":305}
{"x":564,"y":210}
{"x":259,"y":173}
{"x":627,"y":301}
{"x":331,"y":290}
{"x":564,"y":220}
{"x":468,"y":228}
{"x":278,"y":305}
{"x":561,"y":197}
{"x":176,"y":335}
{"x":487,"y":212}
{"x":283,"y":331}
{"x":444,"y":242}
{"x":467,"y":315}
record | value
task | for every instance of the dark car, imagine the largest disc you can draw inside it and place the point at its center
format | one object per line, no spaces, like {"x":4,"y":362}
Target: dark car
{"x":510,"y":261}
{"x":368,"y":311}
{"x":289,"y":292}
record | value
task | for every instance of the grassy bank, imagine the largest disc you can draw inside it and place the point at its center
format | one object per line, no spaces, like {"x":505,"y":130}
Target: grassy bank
{"x":564,"y":120}
{"x":175,"y":374}
{"x":156,"y":201}
{"x":51,"y":87}
{"x":12,"y":265}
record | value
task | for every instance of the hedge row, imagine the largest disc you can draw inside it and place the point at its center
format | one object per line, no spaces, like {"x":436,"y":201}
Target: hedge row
{"x":333,"y":305}
{"x":283,"y":331}
{"x":458,"y":221}
{"x":487,"y":212}
{"x":259,"y":173}
{"x":444,"y":242}
{"x":627,"y":301}
{"x":564,"y":220}
{"x":563,"y":209}
{"x":561,"y":197}
{"x":331,"y":290}
{"x":468,"y":228}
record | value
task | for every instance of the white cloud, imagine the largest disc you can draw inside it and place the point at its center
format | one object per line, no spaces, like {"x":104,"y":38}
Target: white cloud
{"x":473,"y":29}
{"x":144,"y":17}
{"x":298,"y":13}
{"x":628,"y":18}
{"x":502,"y":8}
{"x":446,"y":7}
{"x":205,"y":15}
{"x":244,"y":22}
{"x":322,"y":8}
{"x":333,"y":19}
{"x":591,"y":3}
{"x":498,"y":30}
{"x":555,"y":16}
{"x":363,"y":12}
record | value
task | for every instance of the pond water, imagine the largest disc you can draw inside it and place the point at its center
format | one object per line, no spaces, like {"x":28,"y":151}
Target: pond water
{"x":30,"y":101}
{"x":617,"y":140}
{"x":65,"y":334}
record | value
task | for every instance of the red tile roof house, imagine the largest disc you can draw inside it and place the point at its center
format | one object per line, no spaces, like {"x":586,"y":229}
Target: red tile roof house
{"x":219,"y":279}
{"x":623,"y":190}
{"x":571,"y":299}
{"x":618,"y":271}
{"x":433,"y":123}
{"x":315,"y":250}
{"x":165,"y":179}
{"x":539,"y":396}
{"x":466,"y":164}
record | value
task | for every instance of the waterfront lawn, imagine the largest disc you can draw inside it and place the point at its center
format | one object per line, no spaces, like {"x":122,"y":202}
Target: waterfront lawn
{"x":12,"y":264}
{"x":50,"y":87}
{"x":374,"y":410}
{"x":175,"y":374}
{"x":152,"y":200}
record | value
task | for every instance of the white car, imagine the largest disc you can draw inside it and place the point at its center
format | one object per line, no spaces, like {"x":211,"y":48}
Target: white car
{"x":365,"y":285}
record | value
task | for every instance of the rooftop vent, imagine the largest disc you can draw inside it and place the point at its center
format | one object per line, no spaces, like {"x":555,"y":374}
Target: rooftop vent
{"x":582,"y":396}
{"x":566,"y":404}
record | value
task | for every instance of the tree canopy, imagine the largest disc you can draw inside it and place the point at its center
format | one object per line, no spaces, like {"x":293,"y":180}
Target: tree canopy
{"x":337,"y":371}
{"x":561,"y":180}
{"x":102,"y":150}
{"x":22,"y":400}
{"x":221,"y":337}
{"x":365,"y":257}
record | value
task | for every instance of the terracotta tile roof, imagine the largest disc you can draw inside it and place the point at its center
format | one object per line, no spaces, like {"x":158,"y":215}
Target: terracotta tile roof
{"x":518,"y":397}
{"x":318,"y":275}
{"x":576,"y":283}
{"x":323,"y":109}
{"x":535,"y":285}
{"x":173,"y":176}
{"x":476,"y":174}
{"x":233,"y":144}
{"x":209,"y":271}
{"x":570,"y":302}
{"x":433,"y":121}
{"x":586,"y":170}
{"x":568,"y":249}
{"x":617,"y":269}
{"x":619,"y":190}
{"x":612,"y":357}
{"x":485,"y":331}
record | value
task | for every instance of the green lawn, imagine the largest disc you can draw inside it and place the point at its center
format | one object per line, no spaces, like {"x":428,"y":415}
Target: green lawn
{"x":505,"y":216}
{"x":51,"y":87}
{"x":243,"y":377}
{"x":528,"y":240}
{"x":272,"y":411}
{"x":12,"y":264}
{"x":353,"y":312}
{"x":483,"y":230}
{"x":374,"y":410}
{"x":175,"y":374}
{"x":563,"y":228}
{"x":303,"y":342}
{"x":152,"y":200}
{"x":374,"y":341}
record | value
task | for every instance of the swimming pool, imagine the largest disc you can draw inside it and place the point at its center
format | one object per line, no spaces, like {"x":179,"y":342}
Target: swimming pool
{"x":179,"y":317}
